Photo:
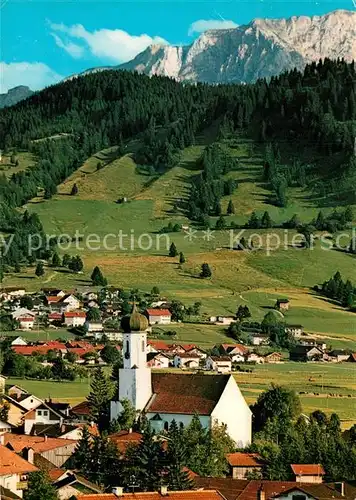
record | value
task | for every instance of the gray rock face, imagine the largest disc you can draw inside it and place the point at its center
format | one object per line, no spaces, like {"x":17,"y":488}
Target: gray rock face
{"x":14,"y":95}
{"x":263,"y":48}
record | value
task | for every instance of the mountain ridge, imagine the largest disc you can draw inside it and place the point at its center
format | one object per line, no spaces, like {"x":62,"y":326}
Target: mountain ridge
{"x":260,"y":49}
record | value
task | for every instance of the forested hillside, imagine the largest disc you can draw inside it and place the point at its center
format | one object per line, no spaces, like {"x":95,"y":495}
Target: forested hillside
{"x":317,"y":109}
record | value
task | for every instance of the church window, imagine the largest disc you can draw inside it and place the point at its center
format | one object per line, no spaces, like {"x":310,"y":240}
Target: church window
{"x":127,"y":350}
{"x":143,"y":346}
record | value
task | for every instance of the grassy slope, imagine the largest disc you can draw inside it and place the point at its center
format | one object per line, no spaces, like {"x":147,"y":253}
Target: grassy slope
{"x":26,"y":160}
{"x":238,"y":277}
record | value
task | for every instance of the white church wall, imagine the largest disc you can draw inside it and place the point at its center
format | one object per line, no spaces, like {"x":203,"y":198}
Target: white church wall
{"x":233,"y":411}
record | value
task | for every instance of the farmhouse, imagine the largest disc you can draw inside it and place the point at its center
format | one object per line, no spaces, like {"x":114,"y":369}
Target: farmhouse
{"x":339,"y":355}
{"x":19,"y":341}
{"x":308,"y":473}
{"x":166,"y":396}
{"x":55,"y":450}
{"x":305,"y":353}
{"x":282,"y":304}
{"x":273,"y":357}
{"x":220,"y":364}
{"x":186,"y":360}
{"x":157,"y":360}
{"x":243,"y":464}
{"x":159,"y":316}
{"x":295,"y":330}
{"x":74,"y":318}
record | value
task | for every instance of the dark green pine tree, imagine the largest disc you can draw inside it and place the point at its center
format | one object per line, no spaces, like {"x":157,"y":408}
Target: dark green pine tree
{"x":178,"y":478}
{"x":74,"y":190}
{"x":40,"y":487}
{"x":98,"y":278}
{"x":205,"y":271}
{"x":266,"y":221}
{"x":56,"y":261}
{"x":320,"y":222}
{"x":82,"y":456}
{"x":220,"y":223}
{"x":99,"y":397}
{"x":181,"y":258}
{"x":230,"y":208}
{"x":173,"y":252}
{"x":66,"y":260}
{"x":148,"y":460}
{"x":254,"y":222}
{"x":39,"y":271}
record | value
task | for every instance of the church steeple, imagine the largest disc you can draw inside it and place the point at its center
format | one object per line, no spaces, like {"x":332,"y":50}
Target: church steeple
{"x":134,"y":377}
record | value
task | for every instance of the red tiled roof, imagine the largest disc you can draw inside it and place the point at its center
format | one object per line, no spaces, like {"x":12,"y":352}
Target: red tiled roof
{"x":239,"y":459}
{"x":55,"y":316}
{"x":158,"y":344}
{"x":228,"y":347}
{"x":55,"y":474}
{"x":39,"y":444}
{"x":28,"y":350}
{"x":81,"y":408}
{"x":123,"y":439}
{"x":158,"y":312}
{"x":173,"y":495}
{"x":75,"y":314}
{"x":26,"y":319}
{"x":53,"y":298}
{"x":80,"y":351}
{"x":308,"y":469}
{"x":10,"y":463}
{"x":186,"y":393}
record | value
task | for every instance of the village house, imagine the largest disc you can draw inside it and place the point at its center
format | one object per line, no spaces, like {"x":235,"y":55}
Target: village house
{"x":111,"y":335}
{"x":165,"y":397}
{"x":43,"y":414}
{"x":5,"y":427}
{"x":311,"y":342}
{"x":159,"y":316}
{"x":273,"y":357}
{"x":243,"y":464}
{"x":157,"y":360}
{"x":220,"y":364}
{"x":222,"y":320}
{"x":193,"y":349}
{"x":186,"y":360}
{"x":339,"y":355}
{"x":24,"y":317}
{"x":15,"y":410}
{"x":53,"y":292}
{"x":295,"y":330}
{"x":14,"y":472}
{"x":63,"y":304}
{"x":74,"y":318}
{"x":157,"y":346}
{"x":253,"y":357}
{"x":230,"y":349}
{"x":93,"y":326}
{"x":57,"y":451}
{"x":81,"y":412}
{"x":11,"y":293}
{"x":260,"y":339}
{"x":306,"y":353}
{"x":69,"y":484}
{"x":55,"y":317}
{"x":308,"y":473}
{"x":282,"y":305}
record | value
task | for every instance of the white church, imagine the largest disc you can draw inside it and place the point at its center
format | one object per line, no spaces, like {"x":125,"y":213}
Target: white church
{"x":164,"y":397}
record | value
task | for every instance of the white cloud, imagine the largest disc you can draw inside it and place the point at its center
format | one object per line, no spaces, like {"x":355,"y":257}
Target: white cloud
{"x":35,"y":75}
{"x":115,"y":45}
{"x":210,"y":24}
{"x":73,"y":49}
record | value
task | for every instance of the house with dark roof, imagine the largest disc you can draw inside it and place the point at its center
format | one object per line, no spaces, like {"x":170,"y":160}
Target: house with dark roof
{"x":165,"y":397}
{"x":305,"y":353}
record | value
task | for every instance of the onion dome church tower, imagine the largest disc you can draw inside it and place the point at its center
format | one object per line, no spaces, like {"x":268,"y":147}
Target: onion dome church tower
{"x":135,"y":382}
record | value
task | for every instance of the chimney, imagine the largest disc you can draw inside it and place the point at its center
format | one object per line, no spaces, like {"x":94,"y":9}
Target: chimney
{"x":118,"y":491}
{"x":340,"y":487}
{"x":45,"y":438}
{"x":163,"y":491}
{"x":261,"y":493}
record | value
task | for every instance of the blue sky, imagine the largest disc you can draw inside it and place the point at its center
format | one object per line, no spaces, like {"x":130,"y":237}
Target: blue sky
{"x":44,"y":41}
